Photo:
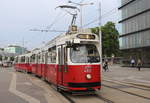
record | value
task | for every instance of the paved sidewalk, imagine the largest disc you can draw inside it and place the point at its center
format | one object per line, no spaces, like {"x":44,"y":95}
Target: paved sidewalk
{"x":132,"y":74}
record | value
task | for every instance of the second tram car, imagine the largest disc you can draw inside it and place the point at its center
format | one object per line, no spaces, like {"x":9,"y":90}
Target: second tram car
{"x":22,"y":63}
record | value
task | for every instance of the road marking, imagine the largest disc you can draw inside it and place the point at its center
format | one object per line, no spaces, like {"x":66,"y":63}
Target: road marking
{"x":13,"y":90}
{"x":50,"y":95}
{"x":47,"y":94}
{"x":25,"y":83}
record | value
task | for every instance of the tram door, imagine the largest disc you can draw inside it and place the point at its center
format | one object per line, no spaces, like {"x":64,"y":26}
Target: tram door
{"x":44,"y":66}
{"x":60,"y":64}
{"x":36,"y":64}
{"x":45,"y":74}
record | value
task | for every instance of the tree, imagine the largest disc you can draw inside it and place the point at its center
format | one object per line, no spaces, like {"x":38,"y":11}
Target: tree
{"x":110,"y":39}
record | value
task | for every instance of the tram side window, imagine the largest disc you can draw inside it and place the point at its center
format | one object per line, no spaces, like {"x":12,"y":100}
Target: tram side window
{"x":16,"y":60}
{"x":27,"y":59}
{"x":39,"y":58}
{"x":52,"y":55}
{"x":30,"y":59}
{"x":33,"y":58}
{"x":19,"y":59}
{"x":49,"y":57}
{"x":23,"y":59}
{"x":43,"y":58}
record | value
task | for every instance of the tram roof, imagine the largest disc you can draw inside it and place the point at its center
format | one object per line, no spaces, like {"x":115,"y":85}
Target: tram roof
{"x":61,"y":39}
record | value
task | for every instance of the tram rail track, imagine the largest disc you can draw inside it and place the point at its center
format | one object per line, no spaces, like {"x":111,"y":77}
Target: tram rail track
{"x":140,"y":85}
{"x":129,"y":85}
{"x":75,"y":100}
{"x":131,"y":93}
{"x":104,"y":99}
{"x":67,"y":97}
{"x":71,"y":99}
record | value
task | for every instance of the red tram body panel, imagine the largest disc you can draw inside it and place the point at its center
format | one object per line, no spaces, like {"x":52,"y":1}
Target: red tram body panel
{"x":43,"y":70}
{"x":39,"y":70}
{"x":51,"y":74}
{"x":34,"y":68}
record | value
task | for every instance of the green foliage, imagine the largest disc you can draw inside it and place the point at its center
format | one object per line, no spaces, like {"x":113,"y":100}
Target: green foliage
{"x":110,"y":39}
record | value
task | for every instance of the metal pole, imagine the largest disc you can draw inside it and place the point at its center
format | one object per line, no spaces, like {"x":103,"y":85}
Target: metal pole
{"x":81,"y":16}
{"x":22,"y":45}
{"x":100,"y":37}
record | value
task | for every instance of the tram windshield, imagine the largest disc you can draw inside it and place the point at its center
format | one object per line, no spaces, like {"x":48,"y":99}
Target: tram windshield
{"x":85,"y":53}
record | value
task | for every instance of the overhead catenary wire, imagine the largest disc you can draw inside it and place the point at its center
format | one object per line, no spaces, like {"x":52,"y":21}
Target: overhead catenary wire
{"x":55,"y":20}
{"x":48,"y":28}
{"x":102,"y":16}
{"x":60,"y":16}
{"x":45,"y":30}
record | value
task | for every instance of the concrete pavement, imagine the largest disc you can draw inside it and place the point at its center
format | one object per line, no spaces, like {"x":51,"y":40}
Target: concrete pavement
{"x":128,"y":74}
{"x":17,"y":87}
{"x":5,"y":95}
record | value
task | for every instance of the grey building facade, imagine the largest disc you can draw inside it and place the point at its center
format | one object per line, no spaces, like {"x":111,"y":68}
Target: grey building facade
{"x":135,"y":30}
{"x":15,"y":49}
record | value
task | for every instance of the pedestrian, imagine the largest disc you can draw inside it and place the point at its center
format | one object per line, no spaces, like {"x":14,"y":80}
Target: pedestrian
{"x":139,"y":64}
{"x":105,"y":66}
{"x":132,"y":62}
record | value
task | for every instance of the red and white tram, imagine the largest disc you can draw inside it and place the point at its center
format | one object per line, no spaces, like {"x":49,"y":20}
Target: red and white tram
{"x":22,"y":63}
{"x":71,"y":62}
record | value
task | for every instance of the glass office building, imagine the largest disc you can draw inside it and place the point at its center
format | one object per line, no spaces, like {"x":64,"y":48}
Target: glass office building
{"x":135,"y":29}
{"x":15,"y":49}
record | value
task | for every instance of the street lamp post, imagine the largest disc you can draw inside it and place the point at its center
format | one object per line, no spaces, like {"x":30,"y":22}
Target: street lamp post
{"x":100,"y":36}
{"x":100,"y":32}
{"x":81,"y":12}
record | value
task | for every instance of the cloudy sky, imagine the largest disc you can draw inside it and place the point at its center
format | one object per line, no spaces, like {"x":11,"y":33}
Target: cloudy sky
{"x":17,"y":17}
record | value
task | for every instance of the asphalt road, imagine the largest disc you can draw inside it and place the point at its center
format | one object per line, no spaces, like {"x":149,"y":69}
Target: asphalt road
{"x":17,"y":87}
{"x":5,"y":81}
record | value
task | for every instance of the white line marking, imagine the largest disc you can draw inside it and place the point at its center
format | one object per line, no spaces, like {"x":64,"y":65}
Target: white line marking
{"x":50,"y":95}
{"x":13,"y":90}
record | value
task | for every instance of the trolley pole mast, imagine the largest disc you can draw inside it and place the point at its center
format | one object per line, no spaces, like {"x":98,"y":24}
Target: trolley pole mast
{"x":81,"y":10}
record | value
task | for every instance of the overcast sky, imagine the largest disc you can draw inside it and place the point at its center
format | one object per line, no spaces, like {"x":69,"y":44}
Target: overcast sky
{"x":18,"y":16}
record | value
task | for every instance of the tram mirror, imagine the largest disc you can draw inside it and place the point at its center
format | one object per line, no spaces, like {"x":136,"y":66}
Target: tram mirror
{"x":76,"y":48}
{"x":69,"y":44}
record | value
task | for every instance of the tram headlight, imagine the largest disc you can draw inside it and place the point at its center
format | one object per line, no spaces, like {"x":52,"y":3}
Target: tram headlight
{"x":88,"y":76}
